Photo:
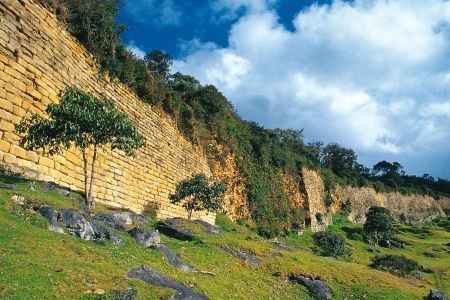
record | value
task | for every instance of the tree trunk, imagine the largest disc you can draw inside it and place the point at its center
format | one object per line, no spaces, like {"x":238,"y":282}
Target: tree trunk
{"x":91,"y":199}
{"x":86,"y":196}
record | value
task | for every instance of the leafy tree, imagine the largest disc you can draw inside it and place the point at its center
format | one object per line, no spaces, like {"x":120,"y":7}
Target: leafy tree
{"x":379,"y":224}
{"x":386,"y":168}
{"x":342,"y":161}
{"x":159,"y":63}
{"x":199,"y":194}
{"x":330,"y":244}
{"x":80,"y":120}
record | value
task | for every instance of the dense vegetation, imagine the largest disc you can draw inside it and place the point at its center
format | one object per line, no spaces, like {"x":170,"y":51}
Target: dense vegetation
{"x":206,"y":117}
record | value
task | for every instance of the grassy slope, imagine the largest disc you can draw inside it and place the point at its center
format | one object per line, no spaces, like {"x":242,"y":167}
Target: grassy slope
{"x":39,"y":264}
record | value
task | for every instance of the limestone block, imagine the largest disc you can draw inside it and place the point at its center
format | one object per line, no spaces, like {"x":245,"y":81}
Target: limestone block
{"x":4,"y":146}
{"x":9,"y":158}
{"x":18,"y":151}
{"x":44,"y":161}
{"x":6,"y":105}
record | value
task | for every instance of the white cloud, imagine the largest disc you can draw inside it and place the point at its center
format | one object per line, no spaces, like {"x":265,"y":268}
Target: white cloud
{"x":371,"y":75}
{"x":136,"y":50}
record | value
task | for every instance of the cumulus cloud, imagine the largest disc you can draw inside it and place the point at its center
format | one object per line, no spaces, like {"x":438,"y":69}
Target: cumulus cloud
{"x":371,"y":75}
{"x":140,"y":53}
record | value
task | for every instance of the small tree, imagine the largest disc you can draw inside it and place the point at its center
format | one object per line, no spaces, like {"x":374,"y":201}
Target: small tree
{"x":379,"y":224}
{"x":199,"y":193}
{"x":84,"y":122}
{"x":330,"y":244}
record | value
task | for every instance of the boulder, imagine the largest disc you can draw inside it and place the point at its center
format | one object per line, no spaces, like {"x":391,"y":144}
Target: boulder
{"x":77,"y":225}
{"x":51,"y":215}
{"x":125,"y":217}
{"x":145,"y":236}
{"x":281,"y":247}
{"x":19,"y":199}
{"x":316,"y":287}
{"x":171,"y":227}
{"x":115,"y":239}
{"x":244,"y":255}
{"x":7,"y":186}
{"x":110,"y":220}
{"x":52,"y":187}
{"x":126,"y":294}
{"x":173,"y":259}
{"x":437,"y":295}
{"x":152,"y":277}
{"x":101,"y":233}
{"x":139,"y":219}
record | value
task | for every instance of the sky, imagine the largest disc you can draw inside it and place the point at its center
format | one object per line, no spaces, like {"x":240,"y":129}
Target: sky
{"x":372,"y":75}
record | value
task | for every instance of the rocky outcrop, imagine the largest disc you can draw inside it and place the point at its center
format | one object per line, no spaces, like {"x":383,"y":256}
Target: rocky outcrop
{"x":145,"y":237}
{"x":153,"y":277}
{"x":318,"y":288}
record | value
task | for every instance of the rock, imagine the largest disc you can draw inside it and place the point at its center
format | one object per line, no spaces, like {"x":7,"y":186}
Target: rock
{"x":110,"y":220}
{"x":19,"y":199}
{"x":52,"y":187}
{"x":125,"y":217}
{"x":244,"y":255}
{"x":77,"y":224}
{"x":280,"y":246}
{"x":173,"y":258}
{"x":170,"y":227}
{"x":207,"y":228}
{"x":51,"y":215}
{"x":437,"y":295}
{"x":9,"y":186}
{"x":145,"y":236}
{"x":101,"y":233}
{"x":316,"y":287}
{"x":139,"y":219}
{"x":152,"y":277}
{"x":126,"y":294}
{"x":115,"y":239}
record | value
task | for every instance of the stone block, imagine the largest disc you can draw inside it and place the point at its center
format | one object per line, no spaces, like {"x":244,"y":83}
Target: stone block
{"x":32,"y":156}
{"x":44,"y":161}
{"x":18,"y":151}
{"x":9,"y":158}
{"x":4,"y":146}
{"x":6,"y":105}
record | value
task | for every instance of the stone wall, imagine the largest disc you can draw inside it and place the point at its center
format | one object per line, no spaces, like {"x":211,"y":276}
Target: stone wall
{"x":38,"y":59}
{"x":415,"y":208}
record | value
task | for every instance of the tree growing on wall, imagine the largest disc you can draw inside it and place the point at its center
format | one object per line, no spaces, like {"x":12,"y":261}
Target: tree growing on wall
{"x":82,"y":121}
{"x":199,"y":194}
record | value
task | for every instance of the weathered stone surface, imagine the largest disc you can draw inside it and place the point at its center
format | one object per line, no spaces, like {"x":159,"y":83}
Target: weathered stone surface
{"x":437,"y":295}
{"x":244,"y":255}
{"x":145,"y":236}
{"x":170,"y":227}
{"x":152,"y":277}
{"x":8,"y":186}
{"x":110,"y":221}
{"x":52,"y":187}
{"x":126,"y":294}
{"x":115,"y":239}
{"x":125,"y":217}
{"x":280,"y":246}
{"x":77,"y":225}
{"x":101,"y":233}
{"x":51,"y":215}
{"x":19,"y":199}
{"x":173,"y":259}
{"x":316,"y":287}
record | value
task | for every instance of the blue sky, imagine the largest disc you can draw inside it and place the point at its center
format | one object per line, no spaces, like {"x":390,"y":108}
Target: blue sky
{"x":373,"y":75}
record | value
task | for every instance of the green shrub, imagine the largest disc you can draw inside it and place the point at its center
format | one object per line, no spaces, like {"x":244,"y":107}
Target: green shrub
{"x":319,"y":218}
{"x":328,"y":201}
{"x":394,"y":264}
{"x":330,"y":244}
{"x":379,"y":224}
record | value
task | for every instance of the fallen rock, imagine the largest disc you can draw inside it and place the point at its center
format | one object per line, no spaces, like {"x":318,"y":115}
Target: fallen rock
{"x":280,"y":246}
{"x":145,"y":236}
{"x":126,"y":294}
{"x":125,"y":217}
{"x":244,"y":255}
{"x":51,"y":215}
{"x":207,"y":228}
{"x":437,"y":295}
{"x":173,"y":259}
{"x":101,"y":233}
{"x":9,"y":186}
{"x":316,"y":287}
{"x":52,"y":187}
{"x":110,"y":220}
{"x":170,"y":227}
{"x":139,"y":219}
{"x":152,"y":277}
{"x":77,"y":224}
{"x":115,"y":239}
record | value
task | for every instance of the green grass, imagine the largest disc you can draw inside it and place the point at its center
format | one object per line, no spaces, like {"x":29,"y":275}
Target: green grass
{"x":39,"y":264}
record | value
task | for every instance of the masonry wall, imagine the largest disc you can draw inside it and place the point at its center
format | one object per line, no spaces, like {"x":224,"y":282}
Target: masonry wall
{"x":38,"y":59}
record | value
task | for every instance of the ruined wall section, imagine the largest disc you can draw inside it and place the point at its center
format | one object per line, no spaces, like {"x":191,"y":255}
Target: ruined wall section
{"x":38,"y":59}
{"x":415,"y":208}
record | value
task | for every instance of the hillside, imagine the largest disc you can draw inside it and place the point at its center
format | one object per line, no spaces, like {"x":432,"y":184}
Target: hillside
{"x":40,"y":264}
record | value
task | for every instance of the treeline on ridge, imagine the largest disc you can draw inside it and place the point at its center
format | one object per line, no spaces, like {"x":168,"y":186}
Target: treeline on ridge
{"x":207,"y":117}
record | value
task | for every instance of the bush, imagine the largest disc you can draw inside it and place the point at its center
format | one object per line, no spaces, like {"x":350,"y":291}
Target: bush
{"x":330,"y":244}
{"x":379,"y":224}
{"x":319,"y":218}
{"x":394,"y":264}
